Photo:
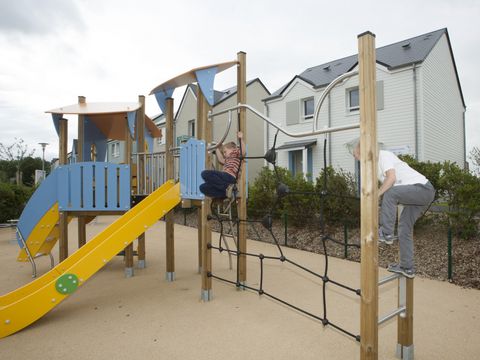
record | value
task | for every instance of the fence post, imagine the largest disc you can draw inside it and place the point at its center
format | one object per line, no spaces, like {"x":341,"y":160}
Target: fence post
{"x":345,"y":239}
{"x":449,"y":247}
{"x":285,"y":223}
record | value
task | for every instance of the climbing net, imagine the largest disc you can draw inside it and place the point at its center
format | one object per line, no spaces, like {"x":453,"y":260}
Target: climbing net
{"x":223,"y":213}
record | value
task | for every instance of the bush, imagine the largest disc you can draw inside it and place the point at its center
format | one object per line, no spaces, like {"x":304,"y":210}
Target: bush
{"x":341,"y":202}
{"x":13,"y":199}
{"x":462,"y":192}
{"x":304,"y":202}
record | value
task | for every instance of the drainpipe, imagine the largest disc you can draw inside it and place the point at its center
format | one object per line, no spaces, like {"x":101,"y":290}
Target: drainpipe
{"x":415,"y":108}
{"x":267,"y":134}
{"x":329,"y":135}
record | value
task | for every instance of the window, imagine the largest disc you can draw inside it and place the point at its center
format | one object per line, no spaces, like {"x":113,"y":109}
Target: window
{"x":191,"y":128}
{"x":115,"y":149}
{"x":353,"y":100}
{"x":161,"y":140}
{"x":295,"y":163}
{"x":308,"y":109}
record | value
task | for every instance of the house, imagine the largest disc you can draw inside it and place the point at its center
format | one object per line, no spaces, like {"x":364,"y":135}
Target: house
{"x":420,"y":107}
{"x":185,"y":120}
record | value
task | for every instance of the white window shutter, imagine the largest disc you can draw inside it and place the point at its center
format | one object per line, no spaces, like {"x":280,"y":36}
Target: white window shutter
{"x":293,"y":112}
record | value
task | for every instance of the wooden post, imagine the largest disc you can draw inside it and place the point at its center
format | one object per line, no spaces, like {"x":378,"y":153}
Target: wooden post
{"x":82,"y":233}
{"x":369,"y":198}
{"x":63,"y":220}
{"x":169,"y":221}
{"x":128,"y":160}
{"x":206,"y":233}
{"x":242,"y":182}
{"x":405,"y":320}
{"x":140,"y":129}
{"x":200,"y":135}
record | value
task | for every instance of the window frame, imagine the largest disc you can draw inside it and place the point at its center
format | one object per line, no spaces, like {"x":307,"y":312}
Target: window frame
{"x":350,"y":108}
{"x":115,"y":150}
{"x":304,"y":117}
{"x":191,"y":128}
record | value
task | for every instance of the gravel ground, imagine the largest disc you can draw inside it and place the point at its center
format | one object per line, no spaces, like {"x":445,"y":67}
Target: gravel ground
{"x":430,"y":237}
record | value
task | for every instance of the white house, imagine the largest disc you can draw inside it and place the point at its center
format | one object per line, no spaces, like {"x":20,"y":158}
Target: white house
{"x":185,"y":119}
{"x":421,"y":110}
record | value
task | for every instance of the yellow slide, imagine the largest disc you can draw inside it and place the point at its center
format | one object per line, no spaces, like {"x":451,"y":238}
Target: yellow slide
{"x":27,"y":304}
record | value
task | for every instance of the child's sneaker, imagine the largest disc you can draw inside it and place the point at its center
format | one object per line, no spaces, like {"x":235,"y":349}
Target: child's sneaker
{"x":386,"y":239}
{"x":229,"y":190}
{"x":396,"y":268}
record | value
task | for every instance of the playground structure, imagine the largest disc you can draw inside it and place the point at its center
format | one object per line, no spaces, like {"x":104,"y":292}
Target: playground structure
{"x":25,"y":305}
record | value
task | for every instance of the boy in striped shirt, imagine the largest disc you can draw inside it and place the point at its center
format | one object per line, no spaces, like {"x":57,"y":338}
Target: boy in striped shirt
{"x":219,"y":184}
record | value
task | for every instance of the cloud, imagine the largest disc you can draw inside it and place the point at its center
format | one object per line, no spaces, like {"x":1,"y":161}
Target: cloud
{"x":32,"y":17}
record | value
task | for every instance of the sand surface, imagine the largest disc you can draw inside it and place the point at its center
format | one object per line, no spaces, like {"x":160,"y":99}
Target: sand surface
{"x":146,"y":317}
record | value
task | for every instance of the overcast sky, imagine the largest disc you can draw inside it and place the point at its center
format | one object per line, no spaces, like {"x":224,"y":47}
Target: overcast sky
{"x":113,"y":50}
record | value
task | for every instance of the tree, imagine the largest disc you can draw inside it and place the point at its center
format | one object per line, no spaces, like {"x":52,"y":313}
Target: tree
{"x":16,"y":153}
{"x":475,"y":157}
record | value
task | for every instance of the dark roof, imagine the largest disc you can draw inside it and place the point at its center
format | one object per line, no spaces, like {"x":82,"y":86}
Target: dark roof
{"x":393,"y":56}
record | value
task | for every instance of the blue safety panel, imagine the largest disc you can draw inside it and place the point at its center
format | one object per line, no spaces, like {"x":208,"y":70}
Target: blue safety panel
{"x":131,"y":116}
{"x":192,"y":163}
{"x":205,"y":79}
{"x":94,"y":186}
{"x":161,"y":96}
{"x":124,"y":187}
{"x":39,"y":203}
{"x":56,"y":118}
{"x":100,"y":189}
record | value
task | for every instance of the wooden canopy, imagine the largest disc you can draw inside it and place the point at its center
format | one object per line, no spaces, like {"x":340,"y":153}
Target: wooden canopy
{"x":189,"y":76}
{"x":108,"y":117}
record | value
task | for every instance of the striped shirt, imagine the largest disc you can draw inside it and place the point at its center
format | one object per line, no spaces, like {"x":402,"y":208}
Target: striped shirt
{"x":232,"y":163}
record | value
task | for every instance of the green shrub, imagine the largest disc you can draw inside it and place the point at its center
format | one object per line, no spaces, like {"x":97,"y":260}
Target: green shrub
{"x":341,"y":203}
{"x":462,"y":193}
{"x":12,"y":200}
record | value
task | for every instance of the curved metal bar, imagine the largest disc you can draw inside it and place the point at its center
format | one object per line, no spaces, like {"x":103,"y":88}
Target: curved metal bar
{"x":279,"y":128}
{"x":326,"y":92}
{"x":227,"y":130}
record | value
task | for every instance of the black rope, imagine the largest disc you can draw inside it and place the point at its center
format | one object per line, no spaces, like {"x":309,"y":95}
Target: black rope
{"x":324,"y":238}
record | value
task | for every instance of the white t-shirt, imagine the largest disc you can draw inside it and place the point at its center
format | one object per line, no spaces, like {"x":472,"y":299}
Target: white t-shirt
{"x":404,"y":174}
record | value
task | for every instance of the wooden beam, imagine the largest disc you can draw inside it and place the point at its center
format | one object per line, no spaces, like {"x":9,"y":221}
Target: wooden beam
{"x":206,"y":233}
{"x":62,"y":160}
{"x":128,"y":160}
{"x":169,"y":172}
{"x":140,"y":129}
{"x":242,"y":181}
{"x":369,"y":198}
{"x":405,"y":322}
{"x":82,"y":233}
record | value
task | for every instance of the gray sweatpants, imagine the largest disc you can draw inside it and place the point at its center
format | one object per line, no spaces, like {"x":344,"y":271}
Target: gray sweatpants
{"x":415,"y":200}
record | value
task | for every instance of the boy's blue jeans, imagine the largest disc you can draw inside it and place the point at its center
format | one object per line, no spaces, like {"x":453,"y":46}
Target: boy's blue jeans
{"x":216,"y":182}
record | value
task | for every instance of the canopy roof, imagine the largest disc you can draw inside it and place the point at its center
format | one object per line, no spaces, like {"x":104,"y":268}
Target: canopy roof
{"x":109,"y":117}
{"x":96,"y":108}
{"x":190,"y":77}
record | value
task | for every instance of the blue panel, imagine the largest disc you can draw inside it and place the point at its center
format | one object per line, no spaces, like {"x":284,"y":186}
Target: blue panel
{"x":131,"y":122}
{"x":92,"y":135}
{"x":87,"y":186}
{"x":162,"y":96}
{"x":112,"y":195}
{"x":124,"y":187}
{"x":56,"y":118}
{"x":76,"y":200}
{"x":192,"y":163}
{"x":205,"y":79}
{"x":63,"y":187}
{"x":100,"y":186}
{"x":40,"y":202}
